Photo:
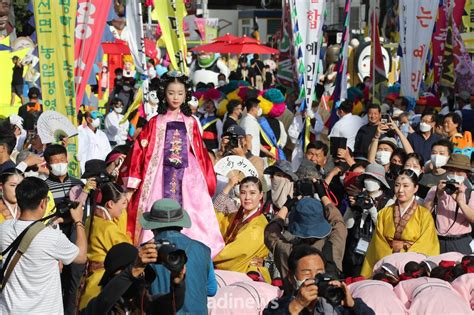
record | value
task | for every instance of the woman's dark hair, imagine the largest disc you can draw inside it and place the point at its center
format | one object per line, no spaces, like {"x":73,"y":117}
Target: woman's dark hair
{"x":299,"y":252}
{"x":110,"y":191}
{"x":412,"y":175}
{"x":9,"y":172}
{"x":415,"y":156}
{"x":414,"y":269}
{"x":358,"y":164}
{"x":252,"y":179}
{"x":30,"y":192}
{"x":166,"y":80}
{"x":456,"y":119}
{"x":232,"y":105}
{"x":52,"y":150}
{"x":400,"y":153}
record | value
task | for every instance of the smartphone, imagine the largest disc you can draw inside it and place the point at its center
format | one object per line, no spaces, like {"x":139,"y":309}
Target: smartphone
{"x":385,"y":119}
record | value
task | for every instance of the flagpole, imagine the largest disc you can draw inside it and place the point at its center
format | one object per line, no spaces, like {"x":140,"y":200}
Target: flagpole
{"x":373,"y":5}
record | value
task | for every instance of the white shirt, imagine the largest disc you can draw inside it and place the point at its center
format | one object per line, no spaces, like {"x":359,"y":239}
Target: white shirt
{"x":92,"y":145}
{"x":34,"y":286}
{"x":251,"y":126}
{"x":114,"y":130}
{"x":347,"y":127}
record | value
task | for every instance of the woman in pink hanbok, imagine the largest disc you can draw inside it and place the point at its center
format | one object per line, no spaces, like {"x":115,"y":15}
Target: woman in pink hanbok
{"x":168,"y":160}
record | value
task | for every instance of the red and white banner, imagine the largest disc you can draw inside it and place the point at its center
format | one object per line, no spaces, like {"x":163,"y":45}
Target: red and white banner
{"x":90,"y":24}
{"x":417,"y":20}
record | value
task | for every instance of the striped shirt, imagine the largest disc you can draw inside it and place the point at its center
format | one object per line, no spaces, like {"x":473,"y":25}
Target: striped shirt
{"x":61,"y":190}
{"x":34,"y":286}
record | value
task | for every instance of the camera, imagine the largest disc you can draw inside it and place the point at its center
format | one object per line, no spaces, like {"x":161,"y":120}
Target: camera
{"x":103,"y":178}
{"x":450,"y":187}
{"x":64,"y":207}
{"x":363,"y":201}
{"x":334,"y":295}
{"x":385,"y":119}
{"x":170,"y":257}
{"x":304,"y":187}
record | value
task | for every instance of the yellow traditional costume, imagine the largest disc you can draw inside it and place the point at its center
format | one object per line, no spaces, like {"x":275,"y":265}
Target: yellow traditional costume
{"x":105,"y":234}
{"x":414,"y":232}
{"x":243,"y":245}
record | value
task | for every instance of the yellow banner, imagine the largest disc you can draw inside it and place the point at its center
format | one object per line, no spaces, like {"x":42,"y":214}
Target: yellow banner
{"x":170,"y":14}
{"x":55,"y":26}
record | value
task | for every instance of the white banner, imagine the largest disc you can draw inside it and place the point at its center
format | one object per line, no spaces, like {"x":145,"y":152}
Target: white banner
{"x":310,"y":16}
{"x":417,"y":20}
{"x":136,"y":42}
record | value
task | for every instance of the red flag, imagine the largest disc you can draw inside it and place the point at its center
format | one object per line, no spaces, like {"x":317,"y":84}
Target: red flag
{"x":376,"y":57}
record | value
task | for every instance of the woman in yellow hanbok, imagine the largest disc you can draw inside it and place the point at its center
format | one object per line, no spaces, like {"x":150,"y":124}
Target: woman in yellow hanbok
{"x":108,"y":229}
{"x":242,"y":229}
{"x":402,"y":227}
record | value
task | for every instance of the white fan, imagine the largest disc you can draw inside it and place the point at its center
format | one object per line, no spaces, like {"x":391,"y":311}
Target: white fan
{"x":53,"y":126}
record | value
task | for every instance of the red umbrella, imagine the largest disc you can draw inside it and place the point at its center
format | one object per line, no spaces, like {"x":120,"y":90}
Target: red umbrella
{"x":244,"y":40}
{"x":251,"y":48}
{"x":212,"y":47}
{"x":225,"y":38}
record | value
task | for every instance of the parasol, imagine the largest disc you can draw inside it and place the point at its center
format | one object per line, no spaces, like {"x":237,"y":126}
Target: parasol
{"x":53,"y":126}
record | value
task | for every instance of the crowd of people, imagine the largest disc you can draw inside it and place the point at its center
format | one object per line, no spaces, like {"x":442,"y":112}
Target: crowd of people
{"x":332,"y":216}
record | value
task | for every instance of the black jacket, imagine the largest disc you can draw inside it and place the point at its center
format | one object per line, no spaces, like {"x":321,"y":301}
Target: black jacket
{"x":363,"y":139}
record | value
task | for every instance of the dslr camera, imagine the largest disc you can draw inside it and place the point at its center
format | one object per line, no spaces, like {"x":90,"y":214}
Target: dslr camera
{"x":304,"y":187}
{"x":170,"y":257}
{"x":103,"y":178}
{"x":64,"y":207}
{"x":363,"y":201}
{"x":450,"y":187}
{"x":334,"y":295}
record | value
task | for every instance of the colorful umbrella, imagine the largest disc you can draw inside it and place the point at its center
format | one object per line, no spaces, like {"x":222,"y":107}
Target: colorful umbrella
{"x":250,"y":48}
{"x":225,"y":38}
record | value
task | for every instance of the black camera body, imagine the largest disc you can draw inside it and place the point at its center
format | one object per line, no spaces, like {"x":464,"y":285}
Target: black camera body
{"x":170,"y":257}
{"x":363,"y":201}
{"x":64,"y":207}
{"x":103,"y":178}
{"x":450,"y":187}
{"x":334,"y":295}
{"x":304,"y":187}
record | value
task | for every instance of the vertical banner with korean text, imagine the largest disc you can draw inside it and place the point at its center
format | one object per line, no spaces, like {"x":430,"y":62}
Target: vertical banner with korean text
{"x":136,"y":42}
{"x":310,"y":18}
{"x":90,"y":24}
{"x":417,"y":20}
{"x":170,"y":15}
{"x":55,"y":24}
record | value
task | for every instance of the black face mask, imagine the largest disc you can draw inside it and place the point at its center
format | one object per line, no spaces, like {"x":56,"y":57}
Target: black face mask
{"x":240,"y":116}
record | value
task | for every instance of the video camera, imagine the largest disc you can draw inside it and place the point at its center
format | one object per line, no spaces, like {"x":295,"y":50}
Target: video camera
{"x":334,"y":295}
{"x":450,"y":187}
{"x":363,"y":201}
{"x":170,"y":257}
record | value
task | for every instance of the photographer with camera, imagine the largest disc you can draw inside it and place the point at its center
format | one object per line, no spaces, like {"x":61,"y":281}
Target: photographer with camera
{"x":105,"y":229}
{"x":126,"y":281}
{"x":361,"y":217}
{"x":452,"y":204}
{"x":166,"y":219}
{"x":312,"y":290}
{"x":314,"y":222}
{"x":32,"y":285}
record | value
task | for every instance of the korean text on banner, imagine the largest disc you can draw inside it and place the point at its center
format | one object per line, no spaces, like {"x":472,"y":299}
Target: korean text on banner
{"x":91,"y":19}
{"x":55,"y":23}
{"x":417,"y":20}
{"x":170,"y":15}
{"x":310,"y":17}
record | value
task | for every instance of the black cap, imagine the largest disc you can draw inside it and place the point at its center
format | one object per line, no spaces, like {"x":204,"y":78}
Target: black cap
{"x":235,"y":130}
{"x":94,"y":168}
{"x":119,"y":257}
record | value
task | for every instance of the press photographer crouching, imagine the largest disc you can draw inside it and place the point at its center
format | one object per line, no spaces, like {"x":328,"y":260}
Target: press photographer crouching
{"x":452,"y":204}
{"x":361,"y":216}
{"x":313,"y":291}
{"x":306,"y":220}
{"x":166,"y":219}
{"x":126,"y":281}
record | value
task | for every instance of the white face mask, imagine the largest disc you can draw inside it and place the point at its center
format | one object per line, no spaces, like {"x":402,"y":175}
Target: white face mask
{"x":457,"y":178}
{"x":424,"y":127}
{"x":95,"y":123}
{"x":260,"y":112}
{"x":221,"y":83}
{"x":397,"y":112}
{"x":36,"y":174}
{"x":59,"y":169}
{"x":383,"y":157}
{"x":439,"y":160}
{"x":299,"y":283}
{"x":371,"y":185}
{"x":416,"y":171}
{"x":118,"y":110}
